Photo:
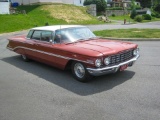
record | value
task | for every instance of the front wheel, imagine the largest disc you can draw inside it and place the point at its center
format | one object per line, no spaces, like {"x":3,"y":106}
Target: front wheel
{"x":80,"y":73}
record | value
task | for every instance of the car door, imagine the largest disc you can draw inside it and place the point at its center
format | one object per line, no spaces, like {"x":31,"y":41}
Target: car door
{"x":32,"y":37}
{"x":38,"y":46}
{"x":44,"y":47}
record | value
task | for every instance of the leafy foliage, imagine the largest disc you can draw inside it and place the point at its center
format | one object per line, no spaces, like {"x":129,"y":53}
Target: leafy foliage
{"x":100,"y":4}
{"x":156,"y":11}
{"x":138,"y":18}
{"x":133,"y":13}
{"x":147,"y":17}
{"x":113,"y":15}
{"x":133,"y":6}
{"x":145,"y":3}
{"x":138,"y":7}
{"x":157,"y":8}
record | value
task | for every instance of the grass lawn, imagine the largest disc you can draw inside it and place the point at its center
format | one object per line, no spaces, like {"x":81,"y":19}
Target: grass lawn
{"x":130,"y":33}
{"x":39,"y":15}
{"x":119,"y":17}
{"x":128,"y":19}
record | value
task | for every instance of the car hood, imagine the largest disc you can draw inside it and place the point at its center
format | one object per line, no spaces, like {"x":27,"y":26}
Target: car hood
{"x":106,"y":47}
{"x":97,"y":48}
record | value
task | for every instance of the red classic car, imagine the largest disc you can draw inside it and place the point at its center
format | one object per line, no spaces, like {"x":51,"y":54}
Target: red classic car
{"x":75,"y":47}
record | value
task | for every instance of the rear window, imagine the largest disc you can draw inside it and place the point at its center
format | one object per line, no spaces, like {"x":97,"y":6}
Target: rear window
{"x":36,"y":35}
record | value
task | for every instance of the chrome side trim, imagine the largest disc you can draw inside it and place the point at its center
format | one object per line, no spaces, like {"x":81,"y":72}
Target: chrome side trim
{"x":110,"y":69}
{"x":10,"y":48}
{"x":47,"y":53}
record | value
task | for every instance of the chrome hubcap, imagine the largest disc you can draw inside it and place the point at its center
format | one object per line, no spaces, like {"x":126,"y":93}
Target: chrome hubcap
{"x":79,"y":70}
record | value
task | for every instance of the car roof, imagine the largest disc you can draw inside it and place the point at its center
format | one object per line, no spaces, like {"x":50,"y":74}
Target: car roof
{"x":55,"y":27}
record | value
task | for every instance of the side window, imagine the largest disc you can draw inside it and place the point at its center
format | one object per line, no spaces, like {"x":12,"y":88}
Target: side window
{"x":46,"y":36}
{"x":30,"y":34}
{"x":36,"y":35}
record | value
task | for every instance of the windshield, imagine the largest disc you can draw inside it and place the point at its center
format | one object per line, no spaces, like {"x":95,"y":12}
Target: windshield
{"x":73,"y":34}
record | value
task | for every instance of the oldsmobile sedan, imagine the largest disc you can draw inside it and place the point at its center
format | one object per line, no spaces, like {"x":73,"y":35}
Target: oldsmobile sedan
{"x":75,"y":47}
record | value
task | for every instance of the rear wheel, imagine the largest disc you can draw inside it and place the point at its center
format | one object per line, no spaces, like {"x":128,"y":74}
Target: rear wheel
{"x":24,"y":57}
{"x":80,"y":73}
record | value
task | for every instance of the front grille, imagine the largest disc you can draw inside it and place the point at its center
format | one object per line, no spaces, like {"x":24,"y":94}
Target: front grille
{"x":121,"y":57}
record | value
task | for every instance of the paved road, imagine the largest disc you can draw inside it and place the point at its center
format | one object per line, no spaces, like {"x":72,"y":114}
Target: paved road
{"x":34,"y":91}
{"x":154,"y":25}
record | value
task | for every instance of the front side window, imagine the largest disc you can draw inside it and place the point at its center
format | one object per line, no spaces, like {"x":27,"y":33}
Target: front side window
{"x":46,"y":36}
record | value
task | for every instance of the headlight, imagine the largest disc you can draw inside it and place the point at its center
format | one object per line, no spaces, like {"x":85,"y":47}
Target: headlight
{"x":135,"y":52}
{"x":98,"y":63}
{"x":107,"y":60}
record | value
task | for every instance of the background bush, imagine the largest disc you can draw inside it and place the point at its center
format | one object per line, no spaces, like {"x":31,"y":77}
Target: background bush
{"x":138,"y":7}
{"x":155,"y":14}
{"x":100,"y":4}
{"x":147,"y":17}
{"x":138,"y":18}
{"x":113,"y":15}
{"x":133,"y":14}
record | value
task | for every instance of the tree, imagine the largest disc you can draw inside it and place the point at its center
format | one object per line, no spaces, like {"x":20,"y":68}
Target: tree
{"x":133,"y":13}
{"x":100,"y":4}
{"x":157,"y":8}
{"x":145,"y":3}
{"x":133,"y":6}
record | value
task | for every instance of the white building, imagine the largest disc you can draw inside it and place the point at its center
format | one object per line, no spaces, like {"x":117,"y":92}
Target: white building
{"x":4,"y":7}
{"x":25,"y":2}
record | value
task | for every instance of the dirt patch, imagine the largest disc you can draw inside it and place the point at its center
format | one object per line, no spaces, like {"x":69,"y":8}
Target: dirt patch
{"x":67,"y":12}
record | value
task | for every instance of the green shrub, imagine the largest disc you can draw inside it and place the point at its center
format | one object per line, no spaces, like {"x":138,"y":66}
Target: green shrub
{"x":138,"y":7}
{"x":147,"y":17}
{"x":138,"y":18}
{"x":133,"y":14}
{"x":100,"y":4}
{"x":113,"y":15}
{"x":155,"y":14}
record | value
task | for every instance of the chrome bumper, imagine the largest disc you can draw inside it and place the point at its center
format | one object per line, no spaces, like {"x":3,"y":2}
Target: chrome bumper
{"x":111,"y":69}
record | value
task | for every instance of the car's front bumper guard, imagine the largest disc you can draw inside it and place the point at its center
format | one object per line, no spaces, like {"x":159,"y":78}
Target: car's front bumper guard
{"x":111,"y":69}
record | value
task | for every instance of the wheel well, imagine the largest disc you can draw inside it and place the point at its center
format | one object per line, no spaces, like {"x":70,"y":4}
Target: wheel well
{"x":68,"y":66}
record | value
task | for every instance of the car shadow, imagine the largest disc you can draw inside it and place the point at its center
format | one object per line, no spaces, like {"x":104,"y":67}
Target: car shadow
{"x":65,"y":80}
